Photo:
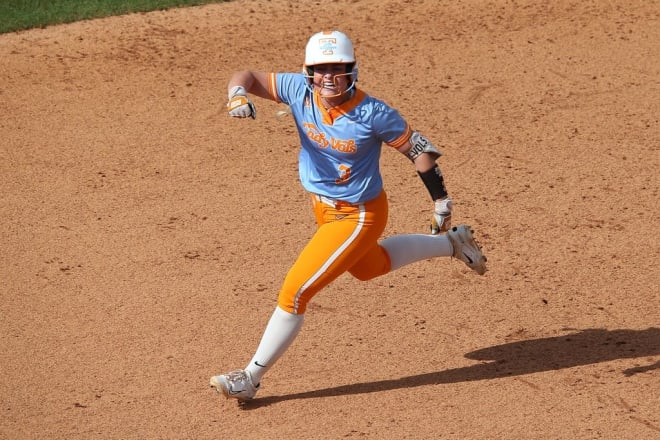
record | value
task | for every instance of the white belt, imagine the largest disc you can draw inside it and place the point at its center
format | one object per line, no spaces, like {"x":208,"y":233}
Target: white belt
{"x":332,"y":202}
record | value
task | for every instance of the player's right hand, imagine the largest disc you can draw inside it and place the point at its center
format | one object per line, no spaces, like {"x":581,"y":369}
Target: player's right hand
{"x":239,"y":105}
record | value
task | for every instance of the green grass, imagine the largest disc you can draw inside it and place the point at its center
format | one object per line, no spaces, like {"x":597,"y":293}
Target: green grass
{"x":27,"y":14}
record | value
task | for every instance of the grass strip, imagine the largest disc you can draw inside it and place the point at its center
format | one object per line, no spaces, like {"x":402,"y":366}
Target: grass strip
{"x":18,"y":15}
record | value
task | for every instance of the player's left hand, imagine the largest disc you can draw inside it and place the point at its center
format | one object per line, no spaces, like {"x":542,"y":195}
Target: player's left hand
{"x":441,"y":220}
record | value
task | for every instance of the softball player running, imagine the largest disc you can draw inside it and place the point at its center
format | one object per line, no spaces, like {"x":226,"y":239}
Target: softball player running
{"x":341,"y":131}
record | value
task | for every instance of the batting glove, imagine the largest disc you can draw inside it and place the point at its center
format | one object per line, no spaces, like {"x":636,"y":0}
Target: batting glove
{"x":239,"y":105}
{"x":441,"y":220}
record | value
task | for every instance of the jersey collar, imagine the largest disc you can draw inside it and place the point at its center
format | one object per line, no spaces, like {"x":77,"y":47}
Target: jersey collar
{"x":331,"y":115}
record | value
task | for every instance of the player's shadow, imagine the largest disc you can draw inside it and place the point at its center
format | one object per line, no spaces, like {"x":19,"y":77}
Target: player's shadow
{"x":513,"y":359}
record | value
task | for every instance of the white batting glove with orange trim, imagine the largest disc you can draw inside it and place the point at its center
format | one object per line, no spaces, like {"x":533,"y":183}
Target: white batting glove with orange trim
{"x":441,"y":220}
{"x":239,"y":105}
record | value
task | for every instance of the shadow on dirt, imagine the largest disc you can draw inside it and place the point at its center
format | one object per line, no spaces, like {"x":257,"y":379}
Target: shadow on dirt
{"x":513,"y":359}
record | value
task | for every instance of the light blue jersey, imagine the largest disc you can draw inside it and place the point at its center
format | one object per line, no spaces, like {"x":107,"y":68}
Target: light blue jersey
{"x":341,"y":148}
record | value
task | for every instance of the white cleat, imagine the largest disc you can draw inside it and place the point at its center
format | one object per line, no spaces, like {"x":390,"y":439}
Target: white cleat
{"x":466,"y":248}
{"x":235,"y":384}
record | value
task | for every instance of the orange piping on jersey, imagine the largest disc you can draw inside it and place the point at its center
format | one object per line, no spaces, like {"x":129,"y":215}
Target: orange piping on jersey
{"x":272,"y":87}
{"x":396,"y":143}
{"x":329,"y":116}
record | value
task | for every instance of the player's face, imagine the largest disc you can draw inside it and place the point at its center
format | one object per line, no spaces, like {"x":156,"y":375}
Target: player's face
{"x":331,"y":79}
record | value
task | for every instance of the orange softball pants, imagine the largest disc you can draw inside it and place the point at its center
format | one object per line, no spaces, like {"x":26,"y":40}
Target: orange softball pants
{"x":346,"y":241}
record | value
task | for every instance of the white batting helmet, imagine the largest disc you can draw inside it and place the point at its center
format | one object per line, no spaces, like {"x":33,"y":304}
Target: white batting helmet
{"x":330,"y":47}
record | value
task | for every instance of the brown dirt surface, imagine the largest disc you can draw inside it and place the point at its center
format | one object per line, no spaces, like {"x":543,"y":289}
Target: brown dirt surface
{"x":145,"y":234}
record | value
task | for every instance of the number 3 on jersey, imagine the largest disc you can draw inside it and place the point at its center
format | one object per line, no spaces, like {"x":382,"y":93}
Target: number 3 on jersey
{"x":344,"y":174}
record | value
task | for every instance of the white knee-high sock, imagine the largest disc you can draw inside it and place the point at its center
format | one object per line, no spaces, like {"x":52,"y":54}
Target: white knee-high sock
{"x":408,"y":248}
{"x":280,"y":332}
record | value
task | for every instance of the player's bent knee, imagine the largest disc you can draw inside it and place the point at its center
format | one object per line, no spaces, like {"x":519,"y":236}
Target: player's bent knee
{"x":365,"y":275}
{"x":288,"y":303}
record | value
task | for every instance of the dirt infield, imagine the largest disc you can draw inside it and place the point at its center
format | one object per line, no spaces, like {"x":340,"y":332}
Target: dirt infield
{"x":145,"y":234}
